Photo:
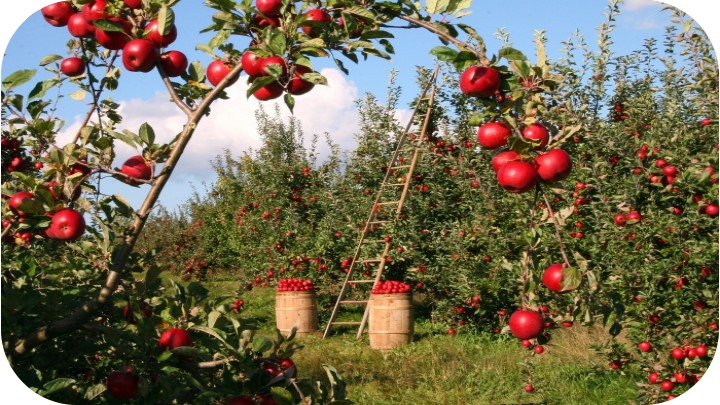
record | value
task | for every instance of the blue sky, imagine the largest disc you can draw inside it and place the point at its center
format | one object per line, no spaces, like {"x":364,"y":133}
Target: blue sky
{"x":140,"y":92}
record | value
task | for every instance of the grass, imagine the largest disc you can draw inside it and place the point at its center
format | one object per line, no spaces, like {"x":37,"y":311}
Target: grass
{"x":463,"y":369}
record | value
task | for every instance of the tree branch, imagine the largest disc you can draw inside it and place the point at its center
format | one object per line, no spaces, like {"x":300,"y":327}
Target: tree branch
{"x":557,"y":229}
{"x":173,"y":94}
{"x":95,"y":94}
{"x":444,"y":35}
{"x":84,"y":312}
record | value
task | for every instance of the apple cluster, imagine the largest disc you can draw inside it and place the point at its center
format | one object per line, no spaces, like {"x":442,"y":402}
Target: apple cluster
{"x":65,"y":224}
{"x":295,"y":284}
{"x":14,"y":157}
{"x":516,"y":172}
{"x":140,"y":41}
{"x":391,"y":287}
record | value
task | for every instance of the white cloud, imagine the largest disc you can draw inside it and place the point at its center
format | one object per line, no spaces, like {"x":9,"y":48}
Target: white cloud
{"x":635,"y":5}
{"x":647,"y":23}
{"x":232,"y":123}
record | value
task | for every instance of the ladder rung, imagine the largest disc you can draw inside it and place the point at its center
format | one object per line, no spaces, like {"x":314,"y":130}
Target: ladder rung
{"x":400,"y":167}
{"x":375,"y":241}
{"x":378,"y":222}
{"x":345,"y":323}
{"x":389,"y":203}
{"x":394,"y":184}
{"x":361,"y":281}
{"x":354,"y":302}
{"x":372,"y":260}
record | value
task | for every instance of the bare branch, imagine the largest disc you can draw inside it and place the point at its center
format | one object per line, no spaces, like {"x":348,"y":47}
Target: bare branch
{"x":173,"y":94}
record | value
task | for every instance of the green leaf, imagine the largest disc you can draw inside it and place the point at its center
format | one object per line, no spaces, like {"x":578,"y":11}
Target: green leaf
{"x":511,"y":54}
{"x":48,"y":59}
{"x":18,"y":78}
{"x":56,"y":385}
{"x":123,"y":205}
{"x":147,"y":134}
{"x":186,"y":351}
{"x":289,"y":101}
{"x":212,"y":318}
{"x":95,"y":391}
{"x":476,"y":120}
{"x":107,"y":25}
{"x":197,"y":71}
{"x":444,"y":53}
{"x":164,"y":356}
{"x":214,"y":333}
{"x":166,"y":19}
{"x":282,"y":396}
{"x":262,"y":344}
{"x":78,"y":95}
{"x":42,"y":87}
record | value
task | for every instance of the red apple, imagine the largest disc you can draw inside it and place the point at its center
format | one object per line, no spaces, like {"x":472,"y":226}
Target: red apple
{"x":111,"y":39}
{"x":298,"y":86}
{"x":499,"y":160}
{"x":552,"y":278}
{"x":58,"y":14}
{"x":272,"y":60}
{"x":529,"y":388}
{"x":537,"y":132}
{"x":538,"y":349}
{"x":133,"y":4}
{"x":712,"y":210}
{"x":122,"y":386}
{"x":494,"y":135}
{"x":517,"y":176}
{"x":678,"y":354}
{"x":554,"y":165}
{"x":138,"y":168}
{"x":667,"y":385}
{"x":139,"y":55}
{"x":160,"y":40}
{"x":80,"y":27}
{"x":95,"y":10}
{"x":526,"y":324}
{"x":73,"y":67}
{"x":660,"y":163}
{"x":251,"y":63}
{"x":701,"y":350}
{"x":67,"y":224}
{"x":217,"y":71}
{"x":173,"y":338}
{"x":263,"y":22}
{"x":669,"y":170}
{"x":644,"y":346}
{"x":620,"y":219}
{"x":174,"y":63}
{"x":319,"y":16}
{"x":653,"y":377}
{"x":269,"y":7}
{"x":269,"y":92}
{"x":17,"y":199}
{"x":479,"y":81}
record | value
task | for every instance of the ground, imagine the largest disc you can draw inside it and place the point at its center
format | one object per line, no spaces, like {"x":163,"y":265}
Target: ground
{"x":462,"y":369}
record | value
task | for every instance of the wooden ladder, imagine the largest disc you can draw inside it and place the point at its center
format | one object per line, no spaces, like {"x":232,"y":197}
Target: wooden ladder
{"x":387,"y":185}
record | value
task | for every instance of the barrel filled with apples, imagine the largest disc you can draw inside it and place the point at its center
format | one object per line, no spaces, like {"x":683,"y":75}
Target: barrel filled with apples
{"x":391,"y":321}
{"x":296,"y":306}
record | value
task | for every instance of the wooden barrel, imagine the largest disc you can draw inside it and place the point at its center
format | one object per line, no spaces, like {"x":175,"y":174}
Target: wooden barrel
{"x":391,"y":320}
{"x":296,"y":308}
